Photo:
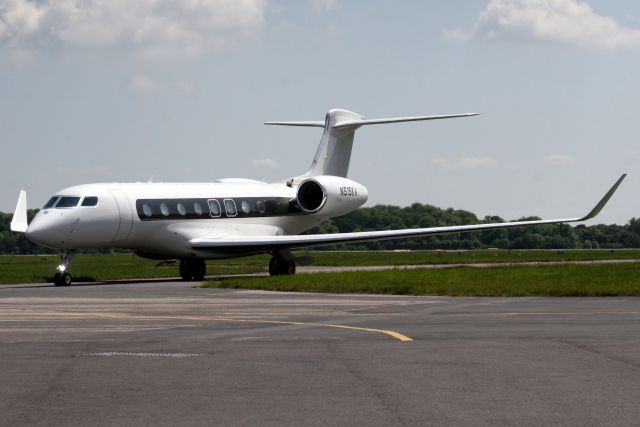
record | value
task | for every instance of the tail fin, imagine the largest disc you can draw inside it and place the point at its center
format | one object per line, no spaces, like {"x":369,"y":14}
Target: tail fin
{"x":334,"y":152}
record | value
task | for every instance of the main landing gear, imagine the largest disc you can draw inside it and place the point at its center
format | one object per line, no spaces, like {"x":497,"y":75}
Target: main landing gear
{"x":280,"y":266}
{"x":193,"y":269}
{"x":62,"y":276}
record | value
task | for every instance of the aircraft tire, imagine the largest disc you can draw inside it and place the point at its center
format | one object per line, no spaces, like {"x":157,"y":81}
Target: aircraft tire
{"x":193,"y":269}
{"x":62,"y":279}
{"x":281,"y":267}
{"x":185,"y":271}
{"x":273,"y":267}
{"x":291,"y":267}
{"x":198,"y":269}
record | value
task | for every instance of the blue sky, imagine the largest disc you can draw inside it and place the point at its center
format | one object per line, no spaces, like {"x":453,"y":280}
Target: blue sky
{"x":97,"y":90}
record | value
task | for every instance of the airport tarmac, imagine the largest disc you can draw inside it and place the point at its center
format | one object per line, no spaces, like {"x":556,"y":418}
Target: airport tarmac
{"x":166,"y":353}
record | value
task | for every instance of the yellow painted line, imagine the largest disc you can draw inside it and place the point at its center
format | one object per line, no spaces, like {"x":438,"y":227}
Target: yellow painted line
{"x":393,"y":334}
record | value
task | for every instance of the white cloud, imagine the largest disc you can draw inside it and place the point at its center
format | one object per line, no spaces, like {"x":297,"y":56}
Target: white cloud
{"x":560,"y":160}
{"x":571,"y":22}
{"x":153,"y":28}
{"x":141,"y":83}
{"x":465,"y":163}
{"x":265,"y":164}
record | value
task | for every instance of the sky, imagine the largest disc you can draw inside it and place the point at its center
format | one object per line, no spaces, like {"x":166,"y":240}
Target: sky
{"x":115,"y":90}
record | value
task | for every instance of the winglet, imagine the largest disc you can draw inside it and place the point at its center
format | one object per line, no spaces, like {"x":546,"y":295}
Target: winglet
{"x":19,"y":222}
{"x":596,"y":210}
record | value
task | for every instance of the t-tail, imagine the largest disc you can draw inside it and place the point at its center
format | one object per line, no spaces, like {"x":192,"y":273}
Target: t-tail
{"x":334,"y":151}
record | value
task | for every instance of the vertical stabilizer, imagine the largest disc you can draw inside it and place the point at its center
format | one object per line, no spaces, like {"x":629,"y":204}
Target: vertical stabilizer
{"x":334,"y":151}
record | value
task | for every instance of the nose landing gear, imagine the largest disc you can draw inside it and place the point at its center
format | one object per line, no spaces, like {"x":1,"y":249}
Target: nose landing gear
{"x":62,"y":276}
{"x":193,"y":269}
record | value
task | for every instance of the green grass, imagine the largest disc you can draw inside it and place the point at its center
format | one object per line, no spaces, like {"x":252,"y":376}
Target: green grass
{"x":563,"y":280}
{"x":91,"y":267}
{"x":466,"y":257}
{"x":34,"y":269}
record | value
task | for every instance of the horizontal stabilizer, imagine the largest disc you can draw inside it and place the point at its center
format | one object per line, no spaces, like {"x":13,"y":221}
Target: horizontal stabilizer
{"x":363,"y":122}
{"x":315,"y":124}
{"x":271,"y":243}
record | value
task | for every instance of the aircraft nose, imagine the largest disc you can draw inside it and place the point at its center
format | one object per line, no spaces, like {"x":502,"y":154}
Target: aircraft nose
{"x":35,"y":231}
{"x":40,"y":232}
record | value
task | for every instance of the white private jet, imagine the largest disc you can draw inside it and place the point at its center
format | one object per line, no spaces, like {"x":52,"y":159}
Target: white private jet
{"x":227,"y":218}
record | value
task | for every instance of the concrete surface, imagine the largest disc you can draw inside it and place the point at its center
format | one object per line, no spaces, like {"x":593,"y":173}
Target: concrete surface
{"x":165,"y":353}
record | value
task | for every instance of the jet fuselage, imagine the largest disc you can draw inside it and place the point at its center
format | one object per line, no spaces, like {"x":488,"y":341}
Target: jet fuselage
{"x":157,"y":220}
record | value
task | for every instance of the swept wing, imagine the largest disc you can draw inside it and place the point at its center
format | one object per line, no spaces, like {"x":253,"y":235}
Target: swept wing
{"x":274,"y":243}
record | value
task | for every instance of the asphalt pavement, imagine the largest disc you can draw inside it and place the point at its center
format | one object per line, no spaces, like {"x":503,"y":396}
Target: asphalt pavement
{"x":168,"y":353}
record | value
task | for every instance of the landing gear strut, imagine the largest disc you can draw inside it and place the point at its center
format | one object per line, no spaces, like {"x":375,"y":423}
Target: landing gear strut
{"x":192,"y":269}
{"x":279,"y":266}
{"x":62,"y":276}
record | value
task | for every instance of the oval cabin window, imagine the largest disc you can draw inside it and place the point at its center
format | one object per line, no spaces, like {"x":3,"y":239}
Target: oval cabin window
{"x":197,"y":208}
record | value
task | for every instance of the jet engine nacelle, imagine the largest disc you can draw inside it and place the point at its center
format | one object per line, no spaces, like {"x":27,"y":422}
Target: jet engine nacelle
{"x":330,"y":196}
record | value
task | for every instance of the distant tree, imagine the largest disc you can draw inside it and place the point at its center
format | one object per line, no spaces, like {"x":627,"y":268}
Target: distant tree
{"x":632,"y":238}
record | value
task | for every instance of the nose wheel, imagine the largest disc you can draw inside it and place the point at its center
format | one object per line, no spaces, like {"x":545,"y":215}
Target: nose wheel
{"x":62,"y":279}
{"x":193,"y":269}
{"x":62,"y":276}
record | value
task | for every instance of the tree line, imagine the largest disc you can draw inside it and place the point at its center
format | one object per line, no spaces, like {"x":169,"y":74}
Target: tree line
{"x":386,"y":217}
{"x":548,"y":236}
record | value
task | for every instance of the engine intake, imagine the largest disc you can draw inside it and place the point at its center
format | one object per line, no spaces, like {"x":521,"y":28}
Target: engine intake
{"x":330,"y":196}
{"x":311,"y":196}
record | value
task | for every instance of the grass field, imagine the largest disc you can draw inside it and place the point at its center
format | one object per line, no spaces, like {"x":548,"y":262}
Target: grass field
{"x":91,"y":267}
{"x":38,"y":269}
{"x":466,"y":257}
{"x":563,"y":280}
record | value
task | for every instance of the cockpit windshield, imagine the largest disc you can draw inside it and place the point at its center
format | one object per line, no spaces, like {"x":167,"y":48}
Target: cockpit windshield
{"x":68,"y":202}
{"x":52,"y":201}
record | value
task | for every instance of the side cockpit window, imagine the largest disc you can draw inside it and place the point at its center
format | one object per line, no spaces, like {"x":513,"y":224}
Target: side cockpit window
{"x":68,"y":202}
{"x":89,"y":201}
{"x":52,"y":201}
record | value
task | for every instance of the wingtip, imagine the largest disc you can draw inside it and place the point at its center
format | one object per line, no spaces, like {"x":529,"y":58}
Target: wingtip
{"x":19,"y":221}
{"x":601,"y":204}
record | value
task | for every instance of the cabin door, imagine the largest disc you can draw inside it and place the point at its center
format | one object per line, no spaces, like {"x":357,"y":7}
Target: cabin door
{"x":126,"y":216}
